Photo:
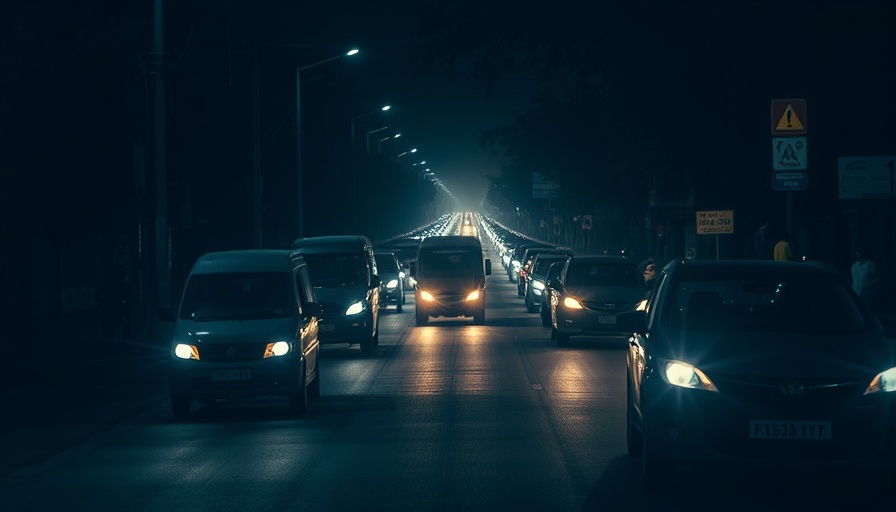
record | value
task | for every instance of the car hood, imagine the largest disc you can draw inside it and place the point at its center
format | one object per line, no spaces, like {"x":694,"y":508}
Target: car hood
{"x":450,"y":283}
{"x":778,"y":355}
{"x":343,"y":295}
{"x":234,"y":331}
{"x":621,"y":294}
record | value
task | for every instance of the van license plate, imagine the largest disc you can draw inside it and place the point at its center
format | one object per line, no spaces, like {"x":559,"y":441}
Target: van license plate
{"x":243,"y":374}
{"x":326,"y":327}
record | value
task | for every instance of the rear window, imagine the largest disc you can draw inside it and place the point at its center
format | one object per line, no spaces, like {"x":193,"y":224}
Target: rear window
{"x":238,"y":296}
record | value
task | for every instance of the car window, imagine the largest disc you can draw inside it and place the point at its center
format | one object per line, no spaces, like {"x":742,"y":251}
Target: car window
{"x":794,"y":304}
{"x":603,"y":274}
{"x":449,"y":262}
{"x":337,"y":269}
{"x":238,"y":295}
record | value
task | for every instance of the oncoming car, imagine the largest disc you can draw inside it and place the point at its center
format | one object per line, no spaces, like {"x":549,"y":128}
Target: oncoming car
{"x":450,"y":276}
{"x":749,"y":361}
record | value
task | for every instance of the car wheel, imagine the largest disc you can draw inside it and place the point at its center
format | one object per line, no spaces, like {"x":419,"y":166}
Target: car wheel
{"x":633,"y":439}
{"x":314,"y":387}
{"x":562,"y":339}
{"x":479,"y":316}
{"x":422,"y":317}
{"x":180,"y":406}
{"x":298,"y":401}
{"x":657,"y":470}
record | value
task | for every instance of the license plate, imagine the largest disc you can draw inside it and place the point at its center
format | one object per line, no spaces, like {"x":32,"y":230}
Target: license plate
{"x":326,"y":327}
{"x":790,"y":430}
{"x":607,"y":319}
{"x":244,"y":374}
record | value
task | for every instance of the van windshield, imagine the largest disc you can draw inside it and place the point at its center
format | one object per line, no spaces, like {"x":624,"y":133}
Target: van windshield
{"x":336,"y":269}
{"x":445,"y":262}
{"x":238,"y":296}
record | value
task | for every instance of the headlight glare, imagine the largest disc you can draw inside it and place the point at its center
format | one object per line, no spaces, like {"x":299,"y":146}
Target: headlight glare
{"x":425,"y":295}
{"x":571,"y":303}
{"x":392,"y":283}
{"x":884,"y":381}
{"x":355,"y":308}
{"x":277,"y":348}
{"x":474,"y":295}
{"x":184,"y":351}
{"x":684,"y":375}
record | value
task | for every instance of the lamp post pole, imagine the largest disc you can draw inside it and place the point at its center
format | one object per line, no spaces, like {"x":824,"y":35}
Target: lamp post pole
{"x":300,"y":192}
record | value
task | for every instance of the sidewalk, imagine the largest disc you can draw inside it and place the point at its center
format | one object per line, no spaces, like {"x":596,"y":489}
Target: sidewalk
{"x":60,"y":389}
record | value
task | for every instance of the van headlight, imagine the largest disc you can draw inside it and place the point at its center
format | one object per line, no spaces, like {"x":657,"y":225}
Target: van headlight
{"x":185,"y":351}
{"x":277,"y":348}
{"x":474,"y":295}
{"x":425,"y":295}
{"x":884,"y":381}
{"x":355,"y":308}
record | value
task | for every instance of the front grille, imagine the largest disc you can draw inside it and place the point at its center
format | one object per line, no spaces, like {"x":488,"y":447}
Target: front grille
{"x":232,"y":352}
{"x":791,"y":394}
{"x":609,"y":307}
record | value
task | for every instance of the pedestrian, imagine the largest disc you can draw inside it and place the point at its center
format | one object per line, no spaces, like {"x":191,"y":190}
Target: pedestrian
{"x":866,"y":277}
{"x":112,"y":298}
{"x":762,"y":243}
{"x":782,"y":251}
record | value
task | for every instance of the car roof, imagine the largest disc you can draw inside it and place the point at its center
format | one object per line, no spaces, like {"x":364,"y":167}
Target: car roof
{"x":330,"y":242}
{"x":248,"y":260}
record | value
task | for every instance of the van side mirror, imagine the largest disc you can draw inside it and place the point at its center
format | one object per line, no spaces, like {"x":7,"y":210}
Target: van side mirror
{"x":311,"y":309}
{"x":488,"y":267}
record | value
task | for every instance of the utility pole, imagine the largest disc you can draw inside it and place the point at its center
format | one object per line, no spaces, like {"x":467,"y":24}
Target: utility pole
{"x":163,"y":271}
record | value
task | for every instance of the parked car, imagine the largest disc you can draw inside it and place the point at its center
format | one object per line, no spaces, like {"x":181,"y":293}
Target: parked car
{"x":246,"y":326}
{"x":591,"y":291}
{"x":391,"y":280}
{"x":757,"y":362}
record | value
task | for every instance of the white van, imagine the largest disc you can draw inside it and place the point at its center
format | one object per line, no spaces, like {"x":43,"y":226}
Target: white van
{"x":246,"y":326}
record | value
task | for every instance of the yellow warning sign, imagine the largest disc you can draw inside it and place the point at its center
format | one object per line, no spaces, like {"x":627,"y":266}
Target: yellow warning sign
{"x":788,"y":117}
{"x":790,"y":121}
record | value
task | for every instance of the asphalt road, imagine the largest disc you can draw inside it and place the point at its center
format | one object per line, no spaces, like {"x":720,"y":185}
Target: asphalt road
{"x":451,"y":416}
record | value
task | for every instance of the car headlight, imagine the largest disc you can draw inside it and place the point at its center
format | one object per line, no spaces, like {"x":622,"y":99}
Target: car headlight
{"x":571,"y":303}
{"x":184,"y":351}
{"x":355,"y":308}
{"x":884,"y":381}
{"x":538,"y":285}
{"x":684,"y":375}
{"x":425,"y":295}
{"x":474,"y":295}
{"x":277,"y":348}
{"x":392,"y":283}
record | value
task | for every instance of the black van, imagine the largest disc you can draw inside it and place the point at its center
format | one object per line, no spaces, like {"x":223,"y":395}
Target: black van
{"x":346,"y":284}
{"x":450,"y":275}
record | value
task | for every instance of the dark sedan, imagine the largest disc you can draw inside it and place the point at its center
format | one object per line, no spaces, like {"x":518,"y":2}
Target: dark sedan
{"x":591,"y":291}
{"x":748,"y":361}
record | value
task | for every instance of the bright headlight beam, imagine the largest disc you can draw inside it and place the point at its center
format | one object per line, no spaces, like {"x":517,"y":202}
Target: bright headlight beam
{"x":884,"y":381}
{"x":685,"y":375}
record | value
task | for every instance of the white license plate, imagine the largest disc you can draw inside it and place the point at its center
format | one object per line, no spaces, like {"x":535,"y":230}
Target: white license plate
{"x":243,"y":374}
{"x":606,"y":319}
{"x":790,"y":430}
{"x":326,"y":327}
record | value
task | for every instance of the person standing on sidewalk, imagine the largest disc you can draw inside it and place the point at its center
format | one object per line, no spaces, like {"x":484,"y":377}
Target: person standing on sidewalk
{"x":866,"y":278}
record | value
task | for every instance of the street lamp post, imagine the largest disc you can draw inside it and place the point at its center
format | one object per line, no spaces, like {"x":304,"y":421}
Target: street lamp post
{"x":379,"y":145}
{"x":382,"y":109}
{"x":300,"y":197}
{"x":404,"y":153}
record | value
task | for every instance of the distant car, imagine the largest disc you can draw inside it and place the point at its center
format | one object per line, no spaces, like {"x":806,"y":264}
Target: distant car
{"x":589,"y":294}
{"x":749,"y":361}
{"x":522,"y":278}
{"x":536,"y":276}
{"x":391,"y":280}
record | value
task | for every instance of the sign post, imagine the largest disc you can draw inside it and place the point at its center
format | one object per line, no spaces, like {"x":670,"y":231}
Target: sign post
{"x":789,"y":151}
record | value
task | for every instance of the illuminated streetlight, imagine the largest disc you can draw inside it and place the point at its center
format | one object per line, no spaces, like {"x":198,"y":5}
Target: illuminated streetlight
{"x":406,"y":152}
{"x":381,"y":109}
{"x":379,"y":145}
{"x":301,"y":204}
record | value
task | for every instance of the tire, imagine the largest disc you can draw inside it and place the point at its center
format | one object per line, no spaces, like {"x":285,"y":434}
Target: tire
{"x":657,"y":470}
{"x":422,"y":317}
{"x":180,"y":406}
{"x":562,"y":339}
{"x":479,"y":317}
{"x":633,"y":440}
{"x":314,"y":387}
{"x":298,"y":401}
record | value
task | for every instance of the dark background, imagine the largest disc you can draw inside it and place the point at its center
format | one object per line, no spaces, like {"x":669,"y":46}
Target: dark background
{"x":641,"y":112}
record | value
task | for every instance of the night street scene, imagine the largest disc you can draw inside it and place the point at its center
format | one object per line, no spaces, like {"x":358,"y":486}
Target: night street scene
{"x":461,"y":255}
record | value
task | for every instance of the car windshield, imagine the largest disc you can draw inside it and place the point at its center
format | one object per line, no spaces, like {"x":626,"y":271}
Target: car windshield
{"x":793,"y":304}
{"x":336,"y":269}
{"x":585,"y":273}
{"x":386,"y":265}
{"x":449,"y":262}
{"x":238,"y":296}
